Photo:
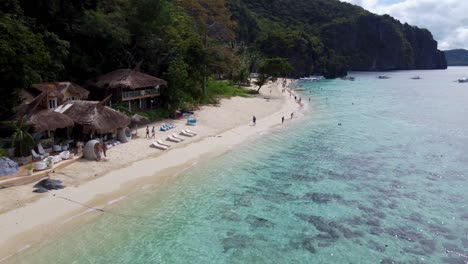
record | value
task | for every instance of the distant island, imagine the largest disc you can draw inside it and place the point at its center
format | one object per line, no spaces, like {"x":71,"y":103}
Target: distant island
{"x":457,"y":57}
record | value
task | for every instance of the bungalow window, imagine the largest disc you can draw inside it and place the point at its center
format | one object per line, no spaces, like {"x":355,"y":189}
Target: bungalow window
{"x":52,"y":103}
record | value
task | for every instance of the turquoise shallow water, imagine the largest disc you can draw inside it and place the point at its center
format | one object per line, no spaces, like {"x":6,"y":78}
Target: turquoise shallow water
{"x":388,"y":185}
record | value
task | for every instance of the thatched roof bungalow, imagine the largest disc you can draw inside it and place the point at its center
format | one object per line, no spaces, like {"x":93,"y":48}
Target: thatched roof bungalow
{"x":57,"y":92}
{"x":139,"y":90}
{"x":40,"y":117}
{"x":94,"y":116}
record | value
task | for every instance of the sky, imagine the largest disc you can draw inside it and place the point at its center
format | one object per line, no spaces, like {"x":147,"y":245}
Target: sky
{"x":446,"y":19}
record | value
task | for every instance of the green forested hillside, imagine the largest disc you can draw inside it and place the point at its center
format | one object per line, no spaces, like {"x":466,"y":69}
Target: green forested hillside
{"x":183,"y":41}
{"x":457,"y":57}
{"x":330,"y":37}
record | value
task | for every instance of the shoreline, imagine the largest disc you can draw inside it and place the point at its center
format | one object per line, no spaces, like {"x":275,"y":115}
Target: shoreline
{"x":24,"y":226}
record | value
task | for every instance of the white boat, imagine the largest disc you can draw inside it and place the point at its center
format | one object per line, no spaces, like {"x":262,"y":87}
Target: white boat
{"x":348,"y":78}
{"x":383,"y":77}
{"x":463,"y":80}
{"x":312,"y":79}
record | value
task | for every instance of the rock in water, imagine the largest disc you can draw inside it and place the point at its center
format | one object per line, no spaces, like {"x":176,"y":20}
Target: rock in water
{"x":8,"y":167}
{"x":50,"y":184}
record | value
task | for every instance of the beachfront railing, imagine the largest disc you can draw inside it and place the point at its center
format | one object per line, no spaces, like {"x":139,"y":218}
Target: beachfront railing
{"x":141,"y":93}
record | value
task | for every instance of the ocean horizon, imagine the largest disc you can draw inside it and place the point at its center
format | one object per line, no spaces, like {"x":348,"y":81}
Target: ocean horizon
{"x":376,"y":172}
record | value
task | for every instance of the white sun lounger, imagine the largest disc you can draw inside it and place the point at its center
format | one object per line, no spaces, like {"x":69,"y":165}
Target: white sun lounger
{"x":175,"y":136}
{"x":173,"y":139}
{"x":36,"y":156}
{"x":159,"y":146}
{"x":184,"y":133}
{"x":42,"y":151}
{"x":162,"y":143}
{"x":190,"y":132}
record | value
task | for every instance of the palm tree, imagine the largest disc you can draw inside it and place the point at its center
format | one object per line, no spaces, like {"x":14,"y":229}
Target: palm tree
{"x":21,"y":139}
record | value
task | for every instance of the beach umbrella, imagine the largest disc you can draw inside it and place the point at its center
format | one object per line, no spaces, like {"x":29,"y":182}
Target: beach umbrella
{"x":138,"y":120}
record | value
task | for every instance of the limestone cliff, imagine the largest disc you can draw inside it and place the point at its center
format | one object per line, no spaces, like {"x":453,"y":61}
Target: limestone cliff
{"x":331,"y":37}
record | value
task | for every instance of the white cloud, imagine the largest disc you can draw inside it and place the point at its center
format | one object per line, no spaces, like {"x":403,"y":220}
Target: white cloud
{"x":446,"y":19}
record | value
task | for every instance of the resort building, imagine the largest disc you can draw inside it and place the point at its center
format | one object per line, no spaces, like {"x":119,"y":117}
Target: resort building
{"x":57,"y":93}
{"x":93,"y":117}
{"x":134,"y":89}
{"x":40,"y":117}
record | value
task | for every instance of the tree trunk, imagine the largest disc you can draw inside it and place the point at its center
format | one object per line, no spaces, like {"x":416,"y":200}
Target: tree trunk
{"x":258,"y":90}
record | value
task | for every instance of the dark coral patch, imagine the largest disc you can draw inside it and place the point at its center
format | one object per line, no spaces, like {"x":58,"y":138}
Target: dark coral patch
{"x":404,"y":234}
{"x":236,"y":242}
{"x":257,"y":222}
{"x":322,"y":197}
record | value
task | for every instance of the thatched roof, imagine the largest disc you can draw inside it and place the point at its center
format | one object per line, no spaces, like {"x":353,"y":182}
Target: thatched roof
{"x":94,"y":116}
{"x":37,"y":104}
{"x":125,"y":79}
{"x":40,"y":117}
{"x":59,"y":89}
{"x":48,"y":120}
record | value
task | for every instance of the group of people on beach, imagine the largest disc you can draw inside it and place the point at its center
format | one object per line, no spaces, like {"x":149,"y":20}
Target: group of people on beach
{"x":291,"y":92}
{"x":153,"y":132}
{"x":254,"y":119}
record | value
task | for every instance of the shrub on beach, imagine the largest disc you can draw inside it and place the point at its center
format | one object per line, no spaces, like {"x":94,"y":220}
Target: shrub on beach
{"x":222,"y":89}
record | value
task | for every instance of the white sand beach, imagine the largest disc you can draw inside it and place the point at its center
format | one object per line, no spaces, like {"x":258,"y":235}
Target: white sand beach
{"x":26,"y":217}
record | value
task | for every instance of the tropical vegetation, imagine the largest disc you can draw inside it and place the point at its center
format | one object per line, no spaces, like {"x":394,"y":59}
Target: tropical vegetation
{"x":187,"y":42}
{"x":21,"y":139}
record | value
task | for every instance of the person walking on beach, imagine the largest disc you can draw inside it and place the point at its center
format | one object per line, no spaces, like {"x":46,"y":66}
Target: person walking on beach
{"x":104,"y":150}
{"x":147,"y":132}
{"x":282,"y":120}
{"x":254,"y":119}
{"x":153,"y":132}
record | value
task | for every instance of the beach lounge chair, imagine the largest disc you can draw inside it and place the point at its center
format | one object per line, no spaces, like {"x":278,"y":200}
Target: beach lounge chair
{"x":190,"y":132}
{"x":162,"y":143}
{"x":65,"y":155}
{"x":186,"y":133}
{"x":159,"y":146}
{"x":175,"y":136}
{"x":173,"y":139}
{"x":40,"y":165}
{"x":42,"y":151}
{"x":57,"y":158}
{"x":36,"y":156}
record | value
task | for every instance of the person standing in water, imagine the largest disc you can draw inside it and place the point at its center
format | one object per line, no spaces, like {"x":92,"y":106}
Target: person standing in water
{"x":282,"y":120}
{"x":292,"y":115}
{"x":254,"y":119}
